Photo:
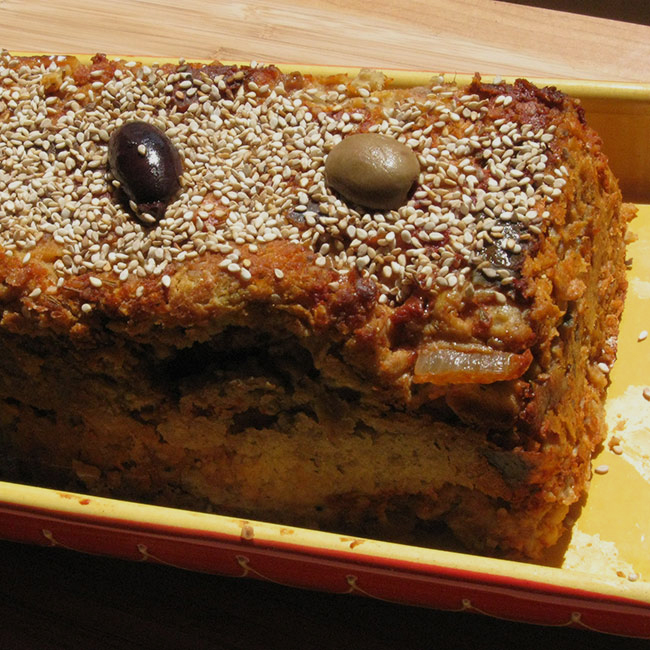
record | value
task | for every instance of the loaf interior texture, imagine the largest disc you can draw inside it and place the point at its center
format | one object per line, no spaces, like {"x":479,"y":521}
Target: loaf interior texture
{"x":270,"y":350}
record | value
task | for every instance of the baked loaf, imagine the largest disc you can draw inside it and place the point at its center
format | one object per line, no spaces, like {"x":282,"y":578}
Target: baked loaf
{"x":263,"y":346}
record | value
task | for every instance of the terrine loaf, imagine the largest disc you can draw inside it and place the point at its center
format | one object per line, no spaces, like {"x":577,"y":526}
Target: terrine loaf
{"x":320,"y":301}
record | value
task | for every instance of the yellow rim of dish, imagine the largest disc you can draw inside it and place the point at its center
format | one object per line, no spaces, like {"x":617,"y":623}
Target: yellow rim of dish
{"x":621,"y":91}
{"x":189,"y":524}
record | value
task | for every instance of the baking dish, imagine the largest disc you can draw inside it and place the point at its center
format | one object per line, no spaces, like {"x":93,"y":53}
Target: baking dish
{"x":600,"y":579}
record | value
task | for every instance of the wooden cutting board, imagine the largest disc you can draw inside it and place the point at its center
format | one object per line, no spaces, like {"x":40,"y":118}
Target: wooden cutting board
{"x":438,"y":35}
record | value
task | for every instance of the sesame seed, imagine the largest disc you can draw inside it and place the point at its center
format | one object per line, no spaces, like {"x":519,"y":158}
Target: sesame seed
{"x":603,"y":367}
{"x":646,"y":394}
{"x":86,"y":308}
{"x":643,"y":335}
{"x":95,"y":282}
{"x":166,"y":281}
{"x":601,"y":469}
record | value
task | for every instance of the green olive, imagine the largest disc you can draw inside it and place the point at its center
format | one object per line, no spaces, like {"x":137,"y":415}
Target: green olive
{"x":375,"y":171}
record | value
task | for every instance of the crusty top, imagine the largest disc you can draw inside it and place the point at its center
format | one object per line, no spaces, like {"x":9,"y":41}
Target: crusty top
{"x":255,"y":232}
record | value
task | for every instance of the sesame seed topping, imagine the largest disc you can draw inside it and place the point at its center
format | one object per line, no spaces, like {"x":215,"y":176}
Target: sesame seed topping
{"x":253,"y":159}
{"x":643,"y":335}
{"x":646,"y":394}
{"x":601,"y":469}
{"x":603,"y":367}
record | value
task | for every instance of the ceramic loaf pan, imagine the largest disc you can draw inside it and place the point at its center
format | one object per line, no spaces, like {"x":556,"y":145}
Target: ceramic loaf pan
{"x":600,"y":582}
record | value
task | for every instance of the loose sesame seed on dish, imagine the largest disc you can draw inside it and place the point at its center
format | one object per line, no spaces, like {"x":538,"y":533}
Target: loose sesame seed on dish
{"x":253,"y":157}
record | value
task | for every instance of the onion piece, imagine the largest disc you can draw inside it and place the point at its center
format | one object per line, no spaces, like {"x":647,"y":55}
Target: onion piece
{"x":447,"y":363}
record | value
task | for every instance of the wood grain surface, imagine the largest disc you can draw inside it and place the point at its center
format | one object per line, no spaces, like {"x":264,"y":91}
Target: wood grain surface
{"x":439,"y":35}
{"x":52,"y":599}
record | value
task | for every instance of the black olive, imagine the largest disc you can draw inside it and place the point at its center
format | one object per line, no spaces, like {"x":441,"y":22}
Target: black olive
{"x":498,"y":252}
{"x":147,"y":165}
